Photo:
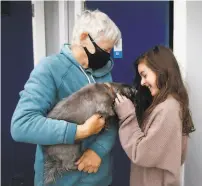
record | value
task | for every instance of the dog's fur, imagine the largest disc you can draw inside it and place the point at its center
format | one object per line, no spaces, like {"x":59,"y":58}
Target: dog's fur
{"x":77,"y":108}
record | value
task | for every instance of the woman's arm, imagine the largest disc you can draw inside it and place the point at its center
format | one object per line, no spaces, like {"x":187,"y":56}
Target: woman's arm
{"x":29,"y":123}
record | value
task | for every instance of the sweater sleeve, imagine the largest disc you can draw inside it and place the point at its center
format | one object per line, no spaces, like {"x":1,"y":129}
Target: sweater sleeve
{"x":29,"y":123}
{"x":160,"y":146}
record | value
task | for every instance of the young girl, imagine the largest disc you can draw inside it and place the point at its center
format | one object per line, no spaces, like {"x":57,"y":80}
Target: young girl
{"x":156,"y":141}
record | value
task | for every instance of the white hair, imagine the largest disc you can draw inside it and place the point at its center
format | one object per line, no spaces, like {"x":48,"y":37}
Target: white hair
{"x":97,"y":24}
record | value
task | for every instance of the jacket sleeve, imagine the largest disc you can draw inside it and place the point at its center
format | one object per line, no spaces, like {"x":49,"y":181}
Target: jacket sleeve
{"x":105,"y":140}
{"x":160,"y":146}
{"x":29,"y":123}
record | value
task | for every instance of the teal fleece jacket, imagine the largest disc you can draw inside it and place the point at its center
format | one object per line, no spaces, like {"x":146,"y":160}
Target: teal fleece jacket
{"x":54,"y":78}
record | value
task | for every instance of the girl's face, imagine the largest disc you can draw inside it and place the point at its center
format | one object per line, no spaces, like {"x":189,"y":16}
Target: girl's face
{"x":148,"y":78}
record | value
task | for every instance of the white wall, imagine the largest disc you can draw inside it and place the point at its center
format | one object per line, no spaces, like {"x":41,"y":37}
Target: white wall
{"x":193,"y":166}
{"x":179,"y":44}
{"x":179,"y":34}
{"x":51,"y":10}
{"x":188,"y":50}
{"x":52,"y":25}
{"x":38,"y":30}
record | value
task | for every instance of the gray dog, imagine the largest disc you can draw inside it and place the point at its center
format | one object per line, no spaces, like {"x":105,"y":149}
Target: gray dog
{"x":77,"y":108}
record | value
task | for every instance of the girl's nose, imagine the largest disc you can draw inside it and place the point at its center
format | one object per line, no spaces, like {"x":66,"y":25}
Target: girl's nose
{"x":142,"y":82}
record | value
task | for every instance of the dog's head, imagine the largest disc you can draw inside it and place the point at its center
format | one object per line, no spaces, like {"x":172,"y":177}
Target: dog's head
{"x":123,"y":89}
{"x":141,"y":98}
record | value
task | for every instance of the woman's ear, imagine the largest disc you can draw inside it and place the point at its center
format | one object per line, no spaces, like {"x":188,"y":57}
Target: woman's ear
{"x":83,"y":38}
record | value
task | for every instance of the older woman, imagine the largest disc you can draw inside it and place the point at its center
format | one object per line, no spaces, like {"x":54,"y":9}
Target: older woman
{"x":85,"y":60}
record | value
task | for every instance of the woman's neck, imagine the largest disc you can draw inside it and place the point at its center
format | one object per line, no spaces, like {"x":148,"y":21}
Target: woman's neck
{"x":80,"y":55}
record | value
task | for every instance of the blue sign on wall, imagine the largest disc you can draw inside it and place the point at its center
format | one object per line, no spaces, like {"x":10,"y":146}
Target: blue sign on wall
{"x":118,"y":50}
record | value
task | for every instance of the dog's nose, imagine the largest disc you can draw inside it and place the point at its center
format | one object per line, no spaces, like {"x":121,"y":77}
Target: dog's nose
{"x":133,"y":91}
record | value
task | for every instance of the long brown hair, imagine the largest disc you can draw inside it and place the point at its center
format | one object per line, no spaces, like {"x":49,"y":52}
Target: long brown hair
{"x":162,"y":61}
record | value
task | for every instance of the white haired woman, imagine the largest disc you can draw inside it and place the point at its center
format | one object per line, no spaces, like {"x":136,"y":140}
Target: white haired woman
{"x":85,"y":60}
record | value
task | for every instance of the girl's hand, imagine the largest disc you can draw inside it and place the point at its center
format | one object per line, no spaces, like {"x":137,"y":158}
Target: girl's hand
{"x":123,"y":107}
{"x":119,"y":99}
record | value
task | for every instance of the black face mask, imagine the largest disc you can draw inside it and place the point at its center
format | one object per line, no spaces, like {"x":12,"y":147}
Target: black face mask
{"x":99,"y":58}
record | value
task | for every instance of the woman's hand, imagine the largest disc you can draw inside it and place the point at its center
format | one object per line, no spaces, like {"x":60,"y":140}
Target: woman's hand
{"x":89,"y":162}
{"x":93,"y":125}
